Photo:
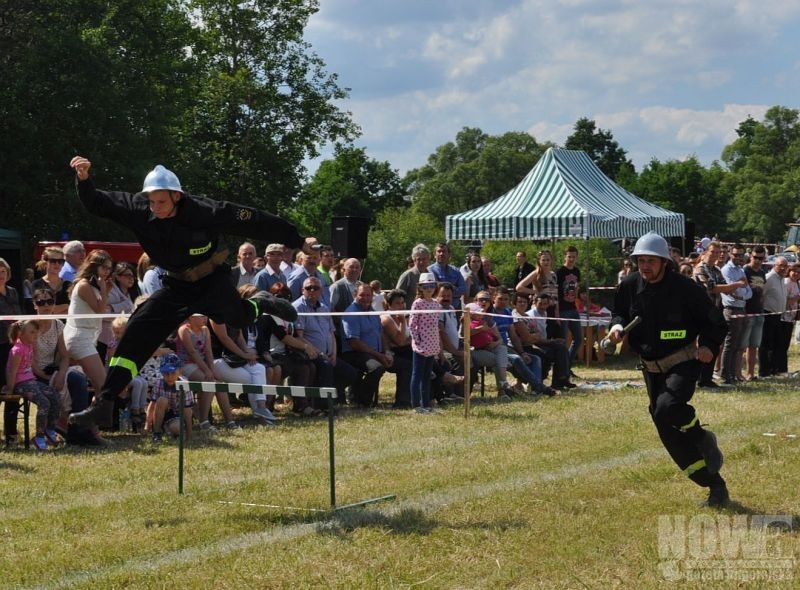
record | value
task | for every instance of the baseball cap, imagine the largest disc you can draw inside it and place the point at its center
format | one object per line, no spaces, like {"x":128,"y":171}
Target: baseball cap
{"x":170,"y":363}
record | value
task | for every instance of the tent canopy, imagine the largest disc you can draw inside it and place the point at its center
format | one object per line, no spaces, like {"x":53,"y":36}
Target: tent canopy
{"x":564,"y":195}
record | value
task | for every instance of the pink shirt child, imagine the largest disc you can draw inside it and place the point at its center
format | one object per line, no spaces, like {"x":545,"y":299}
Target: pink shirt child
{"x":25,"y":367}
{"x":425,"y":328}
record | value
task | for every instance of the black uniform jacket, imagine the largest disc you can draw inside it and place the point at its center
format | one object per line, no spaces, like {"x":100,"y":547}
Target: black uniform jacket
{"x":674,"y":312}
{"x":192,"y":235}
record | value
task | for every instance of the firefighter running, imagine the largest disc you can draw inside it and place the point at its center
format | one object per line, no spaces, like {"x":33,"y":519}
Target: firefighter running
{"x":679,"y":329}
{"x":181,"y":234}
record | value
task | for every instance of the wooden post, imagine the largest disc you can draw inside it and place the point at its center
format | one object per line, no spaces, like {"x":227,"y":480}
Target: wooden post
{"x":467,"y":362}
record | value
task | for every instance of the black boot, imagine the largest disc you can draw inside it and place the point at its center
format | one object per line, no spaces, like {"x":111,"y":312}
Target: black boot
{"x":269,"y":304}
{"x":718,"y":496}
{"x":710,"y":451}
{"x":100,"y":413}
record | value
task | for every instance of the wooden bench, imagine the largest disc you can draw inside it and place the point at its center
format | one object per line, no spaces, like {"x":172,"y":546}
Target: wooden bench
{"x":26,"y":412}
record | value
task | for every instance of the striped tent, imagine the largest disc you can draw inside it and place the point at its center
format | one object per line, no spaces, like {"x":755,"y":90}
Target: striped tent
{"x":564,"y":195}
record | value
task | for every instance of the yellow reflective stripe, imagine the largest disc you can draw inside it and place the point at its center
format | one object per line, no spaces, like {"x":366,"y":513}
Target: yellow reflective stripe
{"x":689,"y":425}
{"x":696,"y":466}
{"x":119,"y":361}
{"x":673,"y":334}
{"x":255,"y":304}
{"x":201,"y":250}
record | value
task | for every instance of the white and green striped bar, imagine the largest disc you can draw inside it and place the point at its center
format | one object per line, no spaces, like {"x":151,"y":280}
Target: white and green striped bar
{"x":236,"y":388}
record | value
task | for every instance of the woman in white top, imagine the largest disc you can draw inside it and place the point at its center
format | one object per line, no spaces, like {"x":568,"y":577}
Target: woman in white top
{"x":543,"y":280}
{"x":121,"y":294}
{"x":89,"y":296}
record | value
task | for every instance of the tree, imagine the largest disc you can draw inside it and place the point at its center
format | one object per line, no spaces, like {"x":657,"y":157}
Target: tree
{"x":764,"y":182}
{"x":396,"y":232}
{"x":473,"y":170}
{"x":348,"y":184}
{"x":264,"y":102}
{"x":84,"y":76}
{"x":601,"y":147}
{"x":689,"y":188}
{"x":228,"y":95}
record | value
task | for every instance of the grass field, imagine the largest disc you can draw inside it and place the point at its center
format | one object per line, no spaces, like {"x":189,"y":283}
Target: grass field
{"x":569,"y":492}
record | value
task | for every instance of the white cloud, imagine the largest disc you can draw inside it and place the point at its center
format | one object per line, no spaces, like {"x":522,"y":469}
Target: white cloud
{"x":463,"y":52}
{"x":665,"y":76}
{"x":692,"y":128}
{"x":547,"y":131}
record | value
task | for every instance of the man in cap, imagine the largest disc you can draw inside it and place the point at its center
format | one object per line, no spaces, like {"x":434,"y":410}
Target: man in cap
{"x":272,"y":272}
{"x":181,"y":235}
{"x":680,"y":328}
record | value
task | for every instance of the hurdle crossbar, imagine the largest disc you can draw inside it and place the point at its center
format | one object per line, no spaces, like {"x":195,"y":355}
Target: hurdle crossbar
{"x":328,"y":393}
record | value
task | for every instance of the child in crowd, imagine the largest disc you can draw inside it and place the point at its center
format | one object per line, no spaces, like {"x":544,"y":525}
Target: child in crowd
{"x":193,"y":346}
{"x":166,"y":402}
{"x":20,"y":380}
{"x":425,"y":342}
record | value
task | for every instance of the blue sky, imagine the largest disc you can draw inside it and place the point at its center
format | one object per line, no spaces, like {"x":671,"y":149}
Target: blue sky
{"x":668,"y":78}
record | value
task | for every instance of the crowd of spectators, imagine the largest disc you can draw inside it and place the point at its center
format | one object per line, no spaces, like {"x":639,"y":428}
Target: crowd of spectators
{"x":523,"y":334}
{"x":759,"y":305}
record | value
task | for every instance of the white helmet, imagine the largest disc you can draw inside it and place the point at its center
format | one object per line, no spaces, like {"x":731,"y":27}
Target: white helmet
{"x":161,"y":179}
{"x":651,"y":244}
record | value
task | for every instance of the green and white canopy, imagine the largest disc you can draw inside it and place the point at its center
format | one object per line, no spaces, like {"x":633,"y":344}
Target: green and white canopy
{"x":564,"y":195}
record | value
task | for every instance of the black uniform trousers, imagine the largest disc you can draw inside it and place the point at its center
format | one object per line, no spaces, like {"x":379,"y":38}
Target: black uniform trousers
{"x":769,"y":355}
{"x":164,"y":311}
{"x":676,"y":421}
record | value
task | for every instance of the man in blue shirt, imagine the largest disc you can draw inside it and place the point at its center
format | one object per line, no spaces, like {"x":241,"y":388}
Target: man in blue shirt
{"x":447,"y":273}
{"x":272,"y":272}
{"x":733,"y":304}
{"x":308,"y":268}
{"x":315,"y":327}
{"x":362,"y":347}
{"x":75,"y":254}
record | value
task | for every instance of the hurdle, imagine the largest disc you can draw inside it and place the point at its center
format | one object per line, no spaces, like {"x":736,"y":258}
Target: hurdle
{"x":328,"y":393}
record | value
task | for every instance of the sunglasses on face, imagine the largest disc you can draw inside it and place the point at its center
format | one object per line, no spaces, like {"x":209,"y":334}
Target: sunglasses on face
{"x":758,"y":257}
{"x":311,"y":288}
{"x":484,"y":299}
{"x":56,"y":260}
{"x":43,"y":302}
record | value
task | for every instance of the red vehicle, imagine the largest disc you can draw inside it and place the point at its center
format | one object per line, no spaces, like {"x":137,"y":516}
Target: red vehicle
{"x":119,"y":251}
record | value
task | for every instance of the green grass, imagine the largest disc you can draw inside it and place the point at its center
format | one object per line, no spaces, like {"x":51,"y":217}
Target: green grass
{"x":549,"y":493}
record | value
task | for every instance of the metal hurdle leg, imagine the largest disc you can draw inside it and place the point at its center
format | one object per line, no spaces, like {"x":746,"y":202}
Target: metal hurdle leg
{"x":317,"y":392}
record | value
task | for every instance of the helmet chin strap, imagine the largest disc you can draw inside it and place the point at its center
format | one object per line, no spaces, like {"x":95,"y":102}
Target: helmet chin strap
{"x":174,"y":200}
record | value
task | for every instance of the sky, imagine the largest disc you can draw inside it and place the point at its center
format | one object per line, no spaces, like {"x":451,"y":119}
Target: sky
{"x":669,"y":79}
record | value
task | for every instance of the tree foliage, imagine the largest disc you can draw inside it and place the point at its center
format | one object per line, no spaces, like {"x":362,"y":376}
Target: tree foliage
{"x":396,"y":232}
{"x":84,"y":76}
{"x":601,"y":147}
{"x":350,"y":183}
{"x":764,"y":178}
{"x":473,"y":170}
{"x":689,"y":188}
{"x":226,"y":94}
{"x":264,"y":101}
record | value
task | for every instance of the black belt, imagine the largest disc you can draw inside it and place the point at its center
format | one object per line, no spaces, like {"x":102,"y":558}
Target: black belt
{"x":202,"y":270}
